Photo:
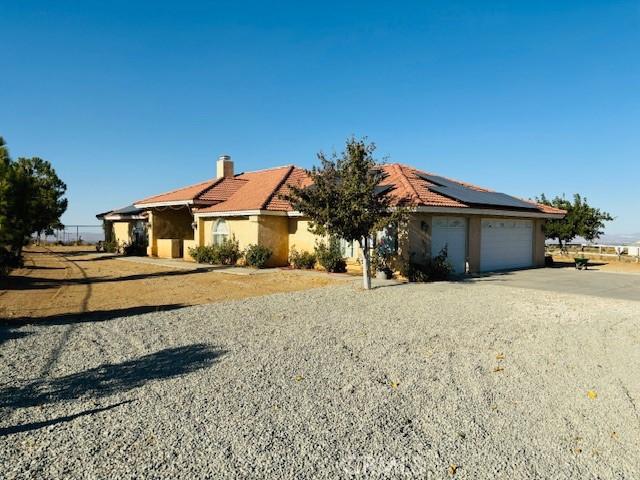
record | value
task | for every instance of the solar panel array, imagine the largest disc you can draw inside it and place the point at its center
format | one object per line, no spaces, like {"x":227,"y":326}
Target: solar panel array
{"x":464,"y":194}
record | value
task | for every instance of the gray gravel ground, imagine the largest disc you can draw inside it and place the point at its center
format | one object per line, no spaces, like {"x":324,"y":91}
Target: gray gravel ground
{"x":334,"y":382}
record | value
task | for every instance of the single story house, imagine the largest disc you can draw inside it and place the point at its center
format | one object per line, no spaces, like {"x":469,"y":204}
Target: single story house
{"x":125,"y":225}
{"x":483,"y":230}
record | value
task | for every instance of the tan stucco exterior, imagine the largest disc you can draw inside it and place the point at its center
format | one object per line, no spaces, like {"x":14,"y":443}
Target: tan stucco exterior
{"x":538,"y":243}
{"x":273,"y":233}
{"x":120,"y":231}
{"x":473,"y":246}
{"x":299,"y":235}
{"x":186,"y":245}
{"x":244,"y":229}
{"x":169,"y":223}
{"x":169,"y":248}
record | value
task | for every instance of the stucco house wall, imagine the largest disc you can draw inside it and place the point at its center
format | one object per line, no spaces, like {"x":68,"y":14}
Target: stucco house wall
{"x":122,"y":232}
{"x":299,"y":235}
{"x":244,"y":229}
{"x":169,"y":224}
{"x":273,"y":233}
{"x":538,"y":243}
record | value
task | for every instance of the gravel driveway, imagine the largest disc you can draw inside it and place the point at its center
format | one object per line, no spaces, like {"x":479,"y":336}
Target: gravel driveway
{"x":431,"y":381}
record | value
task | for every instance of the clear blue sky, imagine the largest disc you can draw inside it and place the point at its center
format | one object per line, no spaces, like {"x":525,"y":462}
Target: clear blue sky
{"x":132,"y":98}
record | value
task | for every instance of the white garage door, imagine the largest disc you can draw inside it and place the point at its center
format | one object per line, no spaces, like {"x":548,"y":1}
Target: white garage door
{"x":506,"y":244}
{"x":452,"y":233}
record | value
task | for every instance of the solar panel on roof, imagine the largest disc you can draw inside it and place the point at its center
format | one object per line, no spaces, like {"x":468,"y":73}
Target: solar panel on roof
{"x":464,"y":194}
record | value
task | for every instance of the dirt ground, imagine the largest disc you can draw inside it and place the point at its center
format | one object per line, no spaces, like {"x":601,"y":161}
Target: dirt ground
{"x":606,"y":264}
{"x":62,"y":281}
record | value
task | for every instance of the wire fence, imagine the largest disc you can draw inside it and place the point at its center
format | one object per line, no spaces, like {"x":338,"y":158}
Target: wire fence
{"x":74,"y":235}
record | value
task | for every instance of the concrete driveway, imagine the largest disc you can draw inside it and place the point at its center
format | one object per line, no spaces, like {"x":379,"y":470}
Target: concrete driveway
{"x":618,"y":286}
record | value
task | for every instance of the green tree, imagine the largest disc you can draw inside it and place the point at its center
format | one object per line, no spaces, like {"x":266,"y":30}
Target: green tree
{"x":581,"y":220}
{"x":31,"y":201}
{"x":344,"y":199}
{"x":47,"y":204}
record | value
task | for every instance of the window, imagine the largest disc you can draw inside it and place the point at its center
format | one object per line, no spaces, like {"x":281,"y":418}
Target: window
{"x":346,"y":248}
{"x":139,"y":232}
{"x":387,"y":239}
{"x":220,"y":232}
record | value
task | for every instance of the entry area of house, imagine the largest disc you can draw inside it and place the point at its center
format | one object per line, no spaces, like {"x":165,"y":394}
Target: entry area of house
{"x":169,"y":228}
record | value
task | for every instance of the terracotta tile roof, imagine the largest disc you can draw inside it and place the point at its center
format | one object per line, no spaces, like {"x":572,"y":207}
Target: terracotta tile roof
{"x":223,"y":189}
{"x":181,"y":194}
{"x":547,"y":208}
{"x":412,"y":190}
{"x":263,"y":189}
{"x":255,"y":192}
{"x":297,"y":177}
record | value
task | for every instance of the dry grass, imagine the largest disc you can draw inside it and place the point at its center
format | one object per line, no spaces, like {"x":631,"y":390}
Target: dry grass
{"x":72,"y":280}
{"x":606,"y":264}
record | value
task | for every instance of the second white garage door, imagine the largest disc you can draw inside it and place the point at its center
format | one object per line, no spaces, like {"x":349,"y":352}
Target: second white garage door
{"x":506,"y":244}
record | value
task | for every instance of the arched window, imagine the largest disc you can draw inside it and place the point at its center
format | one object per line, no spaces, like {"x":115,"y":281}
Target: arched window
{"x":220,"y":232}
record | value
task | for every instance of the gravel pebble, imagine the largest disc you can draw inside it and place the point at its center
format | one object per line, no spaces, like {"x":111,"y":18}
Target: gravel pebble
{"x":431,"y":381}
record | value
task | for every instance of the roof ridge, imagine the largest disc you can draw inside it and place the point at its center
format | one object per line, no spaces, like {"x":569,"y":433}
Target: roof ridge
{"x":277,"y":187}
{"x":266,"y":169}
{"x":206,"y":189}
{"x":405,"y":181}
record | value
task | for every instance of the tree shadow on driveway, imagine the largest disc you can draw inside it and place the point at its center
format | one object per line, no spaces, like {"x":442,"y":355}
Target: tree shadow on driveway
{"x":27,"y":427}
{"x":114,"y":378}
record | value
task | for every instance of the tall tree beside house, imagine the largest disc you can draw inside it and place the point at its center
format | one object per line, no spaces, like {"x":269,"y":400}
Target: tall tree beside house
{"x":31,"y":201}
{"x":581,"y":220}
{"x":344,"y":199}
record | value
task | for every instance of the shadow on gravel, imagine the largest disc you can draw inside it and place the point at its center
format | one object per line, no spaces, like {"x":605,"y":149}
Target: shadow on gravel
{"x":27,"y":427}
{"x":18,"y":282}
{"x":96,"y":316}
{"x":109,"y":379}
{"x":7,"y":333}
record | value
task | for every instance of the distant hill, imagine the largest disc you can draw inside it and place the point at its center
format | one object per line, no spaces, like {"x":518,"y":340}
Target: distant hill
{"x":610,"y":239}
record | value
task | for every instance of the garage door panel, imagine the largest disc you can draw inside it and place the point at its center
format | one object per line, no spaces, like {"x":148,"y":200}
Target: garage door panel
{"x":452,"y":233}
{"x":506,"y":244}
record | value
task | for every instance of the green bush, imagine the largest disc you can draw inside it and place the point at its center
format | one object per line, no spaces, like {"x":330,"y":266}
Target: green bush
{"x":110,"y":247}
{"x":330,"y":256}
{"x":200,"y":254}
{"x":257,"y":256}
{"x":437,"y":268}
{"x":227,"y":253}
{"x":8,"y":261}
{"x":304,"y":260}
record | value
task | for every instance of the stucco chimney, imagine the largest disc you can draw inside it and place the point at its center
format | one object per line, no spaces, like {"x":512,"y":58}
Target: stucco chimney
{"x":224,"y":166}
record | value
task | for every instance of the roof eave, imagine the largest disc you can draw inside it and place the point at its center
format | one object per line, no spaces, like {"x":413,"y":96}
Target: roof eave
{"x":242,"y":213}
{"x":174,"y":203}
{"x":465,"y":210}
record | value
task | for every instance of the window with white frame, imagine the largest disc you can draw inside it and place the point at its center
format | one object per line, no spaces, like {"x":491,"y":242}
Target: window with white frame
{"x":387,"y":239}
{"x":347,"y":248}
{"x":220,"y":232}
